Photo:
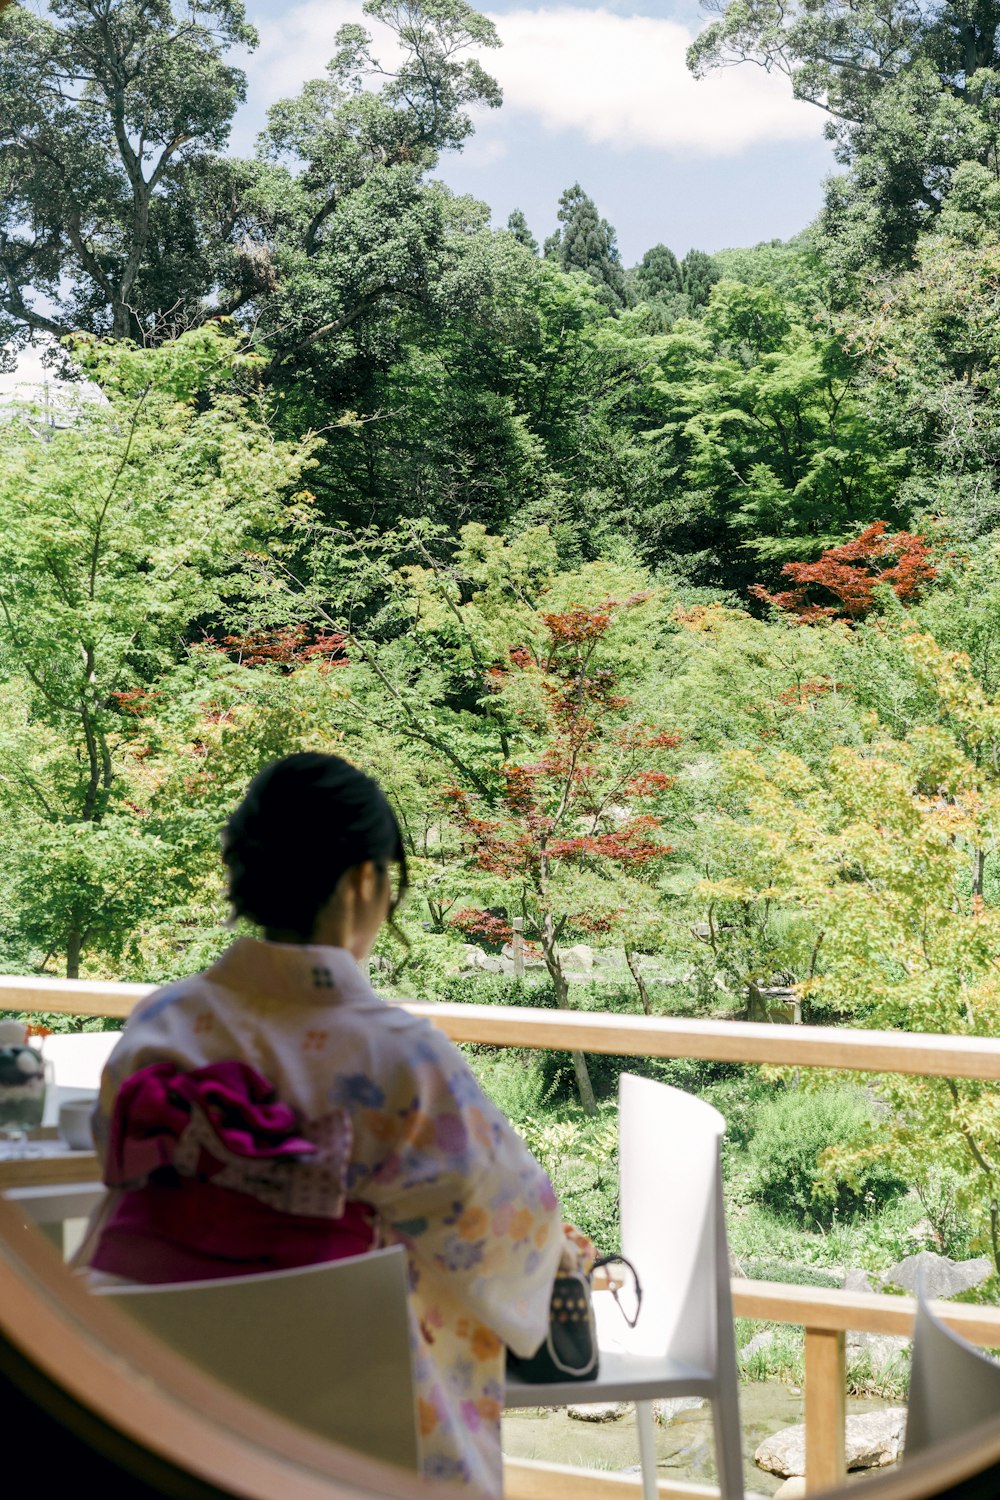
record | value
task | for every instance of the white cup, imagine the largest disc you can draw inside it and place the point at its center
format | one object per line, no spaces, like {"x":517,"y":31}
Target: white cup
{"x":74,"y":1124}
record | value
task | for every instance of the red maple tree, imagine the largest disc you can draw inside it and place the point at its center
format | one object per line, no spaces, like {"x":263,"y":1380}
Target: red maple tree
{"x":287,"y":647}
{"x":852,"y":572}
{"x":574,"y":818}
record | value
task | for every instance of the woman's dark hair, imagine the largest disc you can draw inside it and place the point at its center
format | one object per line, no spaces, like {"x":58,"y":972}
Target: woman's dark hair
{"x":304,"y":821}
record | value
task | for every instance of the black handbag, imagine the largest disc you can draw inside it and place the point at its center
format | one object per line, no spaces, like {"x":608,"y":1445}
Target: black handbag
{"x":569,"y":1349}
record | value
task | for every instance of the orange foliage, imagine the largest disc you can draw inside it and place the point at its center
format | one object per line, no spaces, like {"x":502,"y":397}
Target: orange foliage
{"x":852,"y":572}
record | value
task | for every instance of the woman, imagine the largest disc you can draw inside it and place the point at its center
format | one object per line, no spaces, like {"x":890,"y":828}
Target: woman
{"x":273,"y":1111}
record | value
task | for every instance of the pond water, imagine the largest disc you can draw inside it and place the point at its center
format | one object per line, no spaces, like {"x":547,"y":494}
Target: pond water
{"x":684,"y":1444}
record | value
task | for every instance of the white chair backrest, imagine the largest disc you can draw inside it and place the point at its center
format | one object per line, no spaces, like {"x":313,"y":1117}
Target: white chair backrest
{"x":78,"y":1057}
{"x":672,"y":1224}
{"x":325,"y":1346}
{"x":952,"y":1386}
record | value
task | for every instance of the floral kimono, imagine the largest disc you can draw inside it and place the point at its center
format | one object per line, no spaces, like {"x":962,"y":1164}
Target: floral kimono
{"x":315,"y":1119}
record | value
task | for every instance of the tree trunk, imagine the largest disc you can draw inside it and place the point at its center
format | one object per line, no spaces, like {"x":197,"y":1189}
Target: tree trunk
{"x":553,"y":962}
{"x":74,"y":950}
{"x":632,"y":959}
{"x":978,"y":872}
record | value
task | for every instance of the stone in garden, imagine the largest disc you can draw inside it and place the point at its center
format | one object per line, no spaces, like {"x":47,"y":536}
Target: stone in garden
{"x":472,"y":957}
{"x":792,"y":1489}
{"x":598,"y":1411}
{"x":937,"y":1275}
{"x":579,"y":957}
{"x":882,"y":1349}
{"x":872,"y":1440}
{"x":857,"y":1281}
{"x":671,"y":1406}
{"x":760,"y":1341}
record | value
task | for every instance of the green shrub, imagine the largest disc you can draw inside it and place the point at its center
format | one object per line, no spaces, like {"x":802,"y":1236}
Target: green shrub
{"x":515,"y":1081}
{"x":792,"y":1133}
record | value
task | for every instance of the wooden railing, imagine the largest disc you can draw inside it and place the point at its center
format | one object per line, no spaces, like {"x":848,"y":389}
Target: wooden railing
{"x":825,"y":1316}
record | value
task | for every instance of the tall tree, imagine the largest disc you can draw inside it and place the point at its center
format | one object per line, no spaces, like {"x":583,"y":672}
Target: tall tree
{"x":112,"y":114}
{"x":587,"y":243}
{"x":517,"y":225}
{"x":121,"y":217}
{"x":658,"y":274}
{"x":699,"y":274}
{"x":120,"y":530}
{"x":909,"y":90}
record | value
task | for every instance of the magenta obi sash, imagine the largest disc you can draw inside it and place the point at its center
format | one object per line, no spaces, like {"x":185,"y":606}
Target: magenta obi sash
{"x":217,"y":1177}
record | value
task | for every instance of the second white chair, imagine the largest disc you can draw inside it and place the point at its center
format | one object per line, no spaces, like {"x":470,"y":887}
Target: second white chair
{"x":673,"y":1231}
{"x":326,"y":1346}
{"x":953,"y":1387}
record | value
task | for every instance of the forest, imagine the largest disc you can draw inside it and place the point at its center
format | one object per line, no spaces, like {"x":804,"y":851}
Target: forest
{"x":662,"y":599}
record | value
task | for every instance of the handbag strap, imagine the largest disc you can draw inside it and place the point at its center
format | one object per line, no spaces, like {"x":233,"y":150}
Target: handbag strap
{"x":620,"y":1260}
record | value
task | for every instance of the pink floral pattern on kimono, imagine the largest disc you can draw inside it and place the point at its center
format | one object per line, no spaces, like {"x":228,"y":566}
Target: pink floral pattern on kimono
{"x":446,"y":1173}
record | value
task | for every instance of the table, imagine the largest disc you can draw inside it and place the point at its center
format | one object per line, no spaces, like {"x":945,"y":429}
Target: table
{"x":45,"y":1161}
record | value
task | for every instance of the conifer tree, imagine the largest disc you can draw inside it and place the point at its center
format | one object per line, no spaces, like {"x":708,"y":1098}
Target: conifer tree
{"x":588,"y":243}
{"x":658,"y":274}
{"x":517,"y":225}
{"x":699,"y":274}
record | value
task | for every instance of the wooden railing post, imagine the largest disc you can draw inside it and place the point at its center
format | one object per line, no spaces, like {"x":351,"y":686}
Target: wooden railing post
{"x":826,"y":1375}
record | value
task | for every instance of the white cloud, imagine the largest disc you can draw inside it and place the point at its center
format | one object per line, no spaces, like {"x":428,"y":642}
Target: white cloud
{"x":299,"y":45}
{"x":619,"y":80}
{"x":622,"y":81}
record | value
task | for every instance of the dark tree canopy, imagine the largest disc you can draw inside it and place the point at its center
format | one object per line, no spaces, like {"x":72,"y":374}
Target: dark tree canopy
{"x":121,"y":217}
{"x":111,"y":119}
{"x":517,"y":225}
{"x":658,"y":274}
{"x":587,"y":243}
{"x":699,"y":274}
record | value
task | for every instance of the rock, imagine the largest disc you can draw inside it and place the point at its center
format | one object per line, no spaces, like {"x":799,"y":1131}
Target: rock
{"x":882,"y":1349}
{"x":857,"y":1281}
{"x":937,"y":1275}
{"x":760,"y":1341}
{"x":598,"y":1411}
{"x":872,"y":1440}
{"x":472,"y":957}
{"x":792,"y":1489}
{"x":768,"y":1002}
{"x":784,"y":1452}
{"x":672,"y":1406}
{"x":580,"y":957}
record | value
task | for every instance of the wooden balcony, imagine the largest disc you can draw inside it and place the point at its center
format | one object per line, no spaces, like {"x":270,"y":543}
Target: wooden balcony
{"x":826,"y":1316}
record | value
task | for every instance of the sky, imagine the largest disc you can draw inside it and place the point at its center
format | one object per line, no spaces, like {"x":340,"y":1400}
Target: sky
{"x":598,"y":93}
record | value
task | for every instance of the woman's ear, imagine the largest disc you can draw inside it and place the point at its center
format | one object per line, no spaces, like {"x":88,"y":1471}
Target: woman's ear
{"x":366,"y":881}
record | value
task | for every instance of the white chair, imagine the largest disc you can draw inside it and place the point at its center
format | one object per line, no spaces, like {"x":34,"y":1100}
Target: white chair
{"x":326,"y":1346}
{"x":673,"y":1231}
{"x":77,"y":1059}
{"x":953,"y":1387}
{"x":62,"y":1211}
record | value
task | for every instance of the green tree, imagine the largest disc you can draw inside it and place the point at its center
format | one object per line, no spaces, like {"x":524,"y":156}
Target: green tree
{"x":658,"y":274}
{"x":123,"y":528}
{"x":699,"y":274}
{"x":517,"y":225}
{"x":909,"y":90}
{"x":587,"y":243}
{"x":112,"y":116}
{"x":775,"y":452}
